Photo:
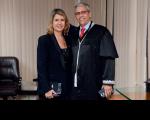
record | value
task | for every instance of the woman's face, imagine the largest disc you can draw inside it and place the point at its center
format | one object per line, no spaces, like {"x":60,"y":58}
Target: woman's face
{"x":58,"y":23}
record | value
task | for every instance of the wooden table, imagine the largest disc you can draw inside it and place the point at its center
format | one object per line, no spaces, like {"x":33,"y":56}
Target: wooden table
{"x":131,"y":93}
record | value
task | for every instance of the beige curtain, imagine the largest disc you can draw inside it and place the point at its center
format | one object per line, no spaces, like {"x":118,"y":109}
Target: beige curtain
{"x":127,"y":20}
{"x":130,"y":28}
{"x":21,"y":23}
{"x":110,"y":15}
{"x":141,"y":40}
{"x":148,"y":39}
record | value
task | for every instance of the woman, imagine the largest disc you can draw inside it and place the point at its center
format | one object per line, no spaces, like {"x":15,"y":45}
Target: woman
{"x":54,"y":58}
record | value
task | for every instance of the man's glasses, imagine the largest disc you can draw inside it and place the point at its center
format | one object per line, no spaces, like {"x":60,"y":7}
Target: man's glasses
{"x":81,"y":13}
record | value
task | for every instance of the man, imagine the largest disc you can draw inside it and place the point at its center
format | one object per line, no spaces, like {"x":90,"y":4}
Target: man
{"x":94,"y":54}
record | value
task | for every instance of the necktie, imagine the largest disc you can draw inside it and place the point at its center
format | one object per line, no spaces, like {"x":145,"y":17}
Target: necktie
{"x":82,"y":32}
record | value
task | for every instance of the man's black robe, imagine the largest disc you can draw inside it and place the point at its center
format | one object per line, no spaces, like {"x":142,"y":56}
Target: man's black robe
{"x":96,"y":60}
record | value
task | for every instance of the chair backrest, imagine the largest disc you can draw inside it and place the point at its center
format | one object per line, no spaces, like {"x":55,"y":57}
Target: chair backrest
{"x":10,"y":80}
{"x":9,"y":68}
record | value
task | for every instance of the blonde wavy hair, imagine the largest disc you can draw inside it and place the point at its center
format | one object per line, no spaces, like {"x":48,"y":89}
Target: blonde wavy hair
{"x":61,"y":12}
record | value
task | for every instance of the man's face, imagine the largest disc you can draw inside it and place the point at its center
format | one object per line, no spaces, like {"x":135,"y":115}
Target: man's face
{"x":82,"y":15}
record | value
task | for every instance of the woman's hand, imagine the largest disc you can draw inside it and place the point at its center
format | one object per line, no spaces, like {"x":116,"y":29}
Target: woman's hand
{"x":50,"y":94}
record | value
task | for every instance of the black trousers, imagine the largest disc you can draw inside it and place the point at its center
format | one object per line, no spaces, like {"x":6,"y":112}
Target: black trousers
{"x":42,"y":97}
{"x":77,"y":94}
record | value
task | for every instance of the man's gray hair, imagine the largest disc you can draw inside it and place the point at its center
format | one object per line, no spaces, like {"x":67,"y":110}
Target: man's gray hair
{"x":83,"y":4}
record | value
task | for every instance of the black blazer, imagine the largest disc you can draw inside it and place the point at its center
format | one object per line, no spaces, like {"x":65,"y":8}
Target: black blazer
{"x":50,"y":64}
